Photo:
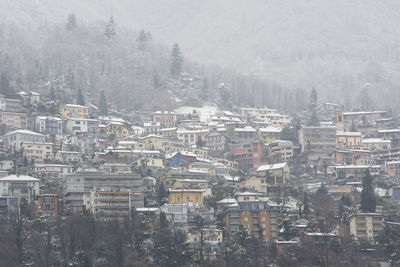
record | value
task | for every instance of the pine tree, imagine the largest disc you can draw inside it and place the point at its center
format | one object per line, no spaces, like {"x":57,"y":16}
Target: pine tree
{"x":368,"y":200}
{"x":80,"y":99}
{"x":314,"y":120}
{"x":4,"y":85}
{"x":52,"y":93}
{"x":103,"y":106}
{"x":313,"y":99}
{"x":109,"y":32}
{"x":176,"y":61}
{"x":71,"y":23}
{"x":141,"y":40}
{"x":70,"y":79}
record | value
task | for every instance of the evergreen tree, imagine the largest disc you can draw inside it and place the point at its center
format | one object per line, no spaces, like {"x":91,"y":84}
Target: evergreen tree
{"x":80,"y":99}
{"x":306,"y":204}
{"x":4,"y":84}
{"x":313,"y":99}
{"x":70,"y":79}
{"x":103,"y":106}
{"x":176,"y":61}
{"x":141,"y":40}
{"x":353,"y":127}
{"x":314,"y":120}
{"x":52,"y":93}
{"x":71,"y":23}
{"x":368,"y":200}
{"x":109,"y":32}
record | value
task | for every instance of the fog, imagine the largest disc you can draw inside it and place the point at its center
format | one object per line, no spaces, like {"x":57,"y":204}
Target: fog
{"x":337,"y":47}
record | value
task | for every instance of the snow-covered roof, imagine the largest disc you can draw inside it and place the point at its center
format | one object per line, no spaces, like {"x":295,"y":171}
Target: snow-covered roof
{"x":227,"y":201}
{"x":48,"y":117}
{"x":269,"y":167}
{"x":74,"y":106}
{"x":271,"y":129}
{"x":245,"y":129}
{"x":389,"y":131}
{"x":341,"y":133}
{"x":21,"y":131}
{"x":15,"y":177}
{"x":363,"y":112}
{"x":374,"y":140}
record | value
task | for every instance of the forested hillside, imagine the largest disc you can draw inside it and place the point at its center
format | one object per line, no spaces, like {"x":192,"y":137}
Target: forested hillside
{"x":340,"y":47}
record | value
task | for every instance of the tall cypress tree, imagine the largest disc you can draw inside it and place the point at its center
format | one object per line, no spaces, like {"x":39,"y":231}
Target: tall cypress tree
{"x":103,"y":106}
{"x":368,"y":199}
{"x":176,"y":61}
{"x":109,"y":32}
{"x":80,"y":99}
{"x":71,"y":23}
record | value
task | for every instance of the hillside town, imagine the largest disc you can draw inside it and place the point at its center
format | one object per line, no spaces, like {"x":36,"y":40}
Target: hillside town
{"x":245,"y":186}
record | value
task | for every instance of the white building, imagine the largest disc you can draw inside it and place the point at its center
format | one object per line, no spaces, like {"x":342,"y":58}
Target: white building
{"x":49,"y":125}
{"x":69,"y":156}
{"x":16,"y":138}
{"x":20,"y":186}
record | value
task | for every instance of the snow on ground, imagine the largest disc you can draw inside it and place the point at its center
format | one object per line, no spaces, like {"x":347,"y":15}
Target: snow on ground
{"x":204,"y":112}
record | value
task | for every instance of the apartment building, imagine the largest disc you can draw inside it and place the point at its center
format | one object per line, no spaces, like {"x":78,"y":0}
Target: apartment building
{"x":269,"y":134}
{"x":37,"y":151}
{"x":273,"y":174}
{"x":366,"y":226}
{"x":280,"y":150}
{"x":17,"y":138}
{"x":317,"y":141}
{"x":255,"y":214}
{"x":393,"y":168}
{"x":348,"y":140}
{"x":74,"y":111}
{"x":47,"y":204}
{"x":52,"y":171}
{"x":183,"y":196}
{"x":49,"y":125}
{"x":77,"y":187}
{"x":107,"y":205}
{"x":9,"y":207}
{"x":20,"y":186}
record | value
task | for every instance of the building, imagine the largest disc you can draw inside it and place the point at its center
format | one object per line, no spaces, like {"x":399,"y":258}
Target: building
{"x":74,"y":111}
{"x":47,"y":204}
{"x":49,"y":125}
{"x":177,"y":214}
{"x":348,"y":140}
{"x":254,"y":214}
{"x":280,"y":150}
{"x":169,"y":132}
{"x":318,"y":141}
{"x":246,"y":133}
{"x":392,"y":134}
{"x":356,"y":172}
{"x":366,"y":226}
{"x":6,"y":165}
{"x":116,"y":168}
{"x":166,"y":119}
{"x":107,"y":205}
{"x":376,"y":143}
{"x":69,"y":156}
{"x":183,"y":196}
{"x":393,"y":168}
{"x":269,"y":134}
{"x":81,"y":125}
{"x":77,"y":187}
{"x":37,"y":151}
{"x":152,"y":128}
{"x":117,"y":129}
{"x":361,"y":118}
{"x":248,"y":155}
{"x":192,"y":137}
{"x":52,"y":171}
{"x":17,"y":138}
{"x":13,"y":119}
{"x":9,"y":207}
{"x":395,"y":193}
{"x":22,"y":186}
{"x":180,"y":158}
{"x":273,"y":174}
{"x":217,"y":142}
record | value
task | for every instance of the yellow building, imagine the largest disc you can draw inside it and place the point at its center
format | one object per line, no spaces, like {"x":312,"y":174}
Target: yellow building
{"x":189,"y":183}
{"x":74,"y":111}
{"x":153,"y":142}
{"x":273,"y":174}
{"x":269,"y":134}
{"x":151,"y":163}
{"x":37,"y":151}
{"x":133,"y":145}
{"x":179,"y":196}
{"x":254,"y":183}
{"x":117,"y":129}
